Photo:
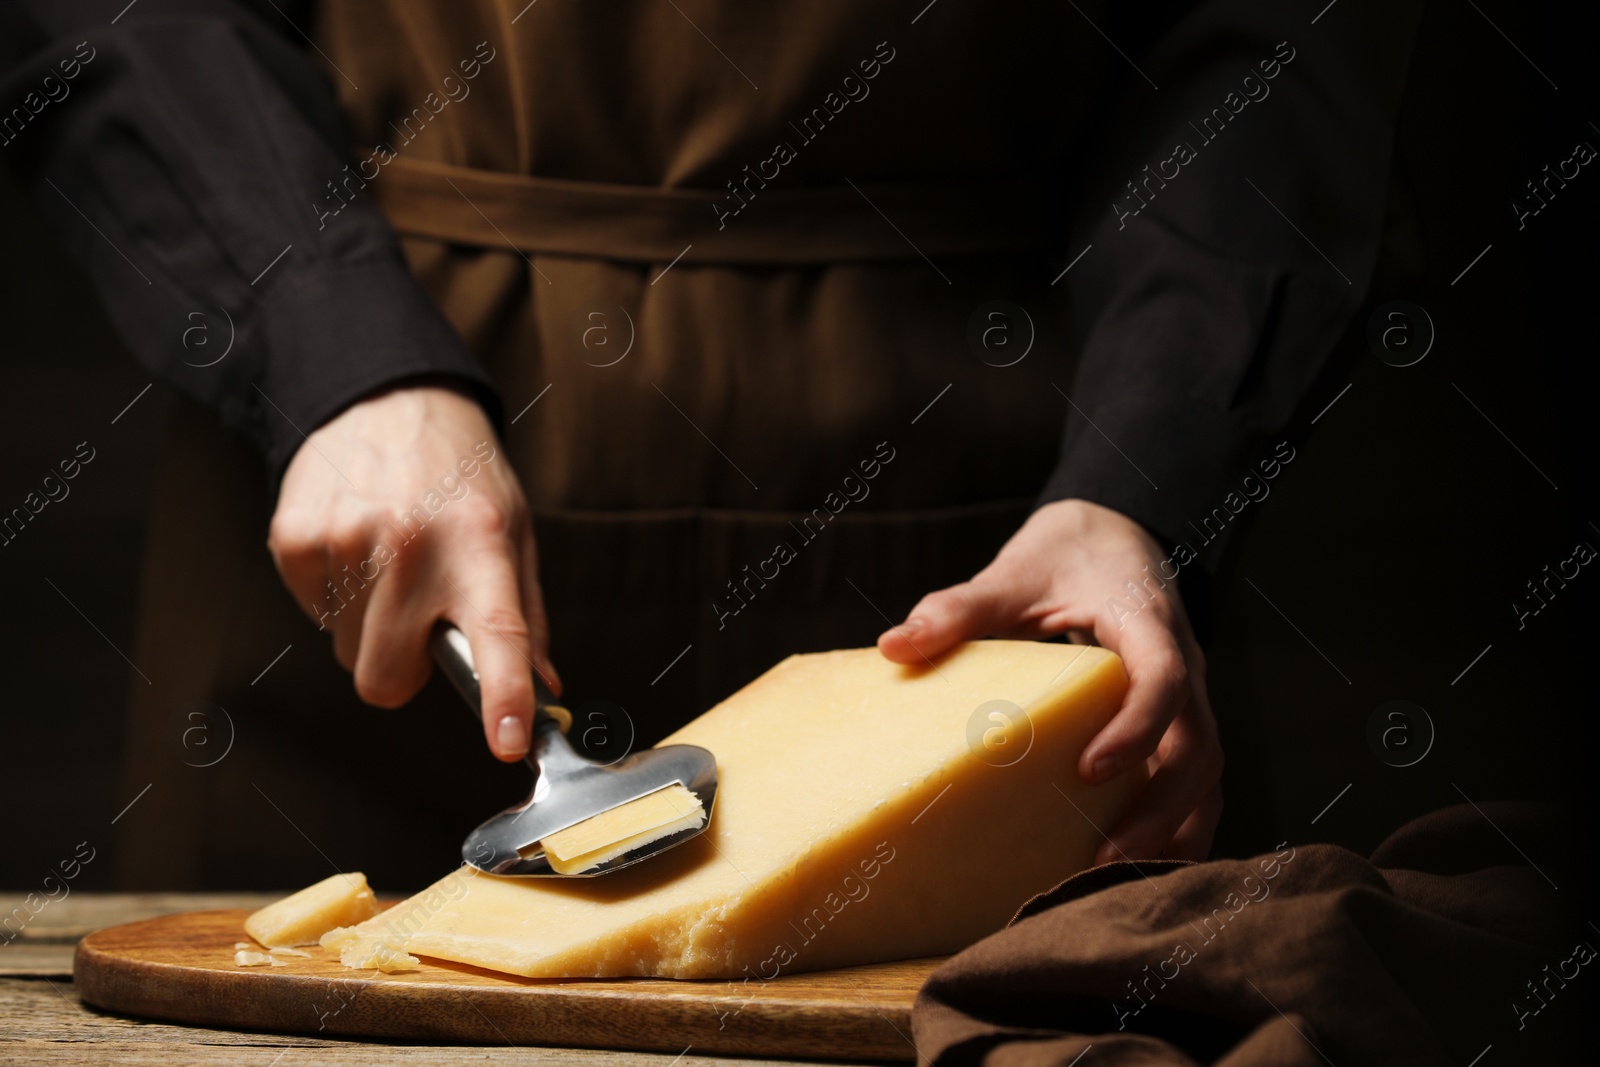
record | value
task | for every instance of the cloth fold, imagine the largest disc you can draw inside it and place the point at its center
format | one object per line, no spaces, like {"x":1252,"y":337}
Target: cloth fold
{"x":1445,"y":942}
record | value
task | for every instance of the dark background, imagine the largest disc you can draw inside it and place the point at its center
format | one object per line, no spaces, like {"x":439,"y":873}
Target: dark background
{"x":1391,"y":548}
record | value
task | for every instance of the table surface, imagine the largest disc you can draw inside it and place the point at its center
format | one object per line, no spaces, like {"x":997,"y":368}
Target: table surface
{"x":42,"y":1021}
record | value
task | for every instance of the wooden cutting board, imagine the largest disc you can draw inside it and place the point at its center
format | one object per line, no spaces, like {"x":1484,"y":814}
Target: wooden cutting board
{"x":180,"y":968}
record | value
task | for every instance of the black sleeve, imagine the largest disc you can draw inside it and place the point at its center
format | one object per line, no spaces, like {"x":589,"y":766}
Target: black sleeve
{"x":181,"y":153}
{"x":1233,"y":220}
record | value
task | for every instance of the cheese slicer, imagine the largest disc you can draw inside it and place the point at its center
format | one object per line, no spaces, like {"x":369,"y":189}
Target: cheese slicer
{"x":580,"y":796}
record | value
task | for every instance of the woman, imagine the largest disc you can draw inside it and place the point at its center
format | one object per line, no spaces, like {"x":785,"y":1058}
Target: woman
{"x":675,"y":279}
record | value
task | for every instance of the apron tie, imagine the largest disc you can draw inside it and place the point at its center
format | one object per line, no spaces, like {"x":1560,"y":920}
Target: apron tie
{"x":644,"y":224}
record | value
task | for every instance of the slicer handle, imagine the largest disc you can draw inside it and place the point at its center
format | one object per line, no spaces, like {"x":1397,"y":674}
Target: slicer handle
{"x":454,"y":656}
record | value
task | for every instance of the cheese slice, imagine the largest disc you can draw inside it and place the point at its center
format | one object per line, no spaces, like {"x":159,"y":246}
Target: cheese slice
{"x":865,"y":812}
{"x":301,"y":918}
{"x":606,"y":836}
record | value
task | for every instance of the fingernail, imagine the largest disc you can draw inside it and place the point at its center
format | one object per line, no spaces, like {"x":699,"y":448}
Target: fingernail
{"x":511,"y":736}
{"x":910,"y":628}
{"x":1106,"y":767}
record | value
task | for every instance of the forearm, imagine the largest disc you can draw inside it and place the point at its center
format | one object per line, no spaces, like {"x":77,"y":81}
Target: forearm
{"x":181,"y":166}
{"x":1233,"y":228}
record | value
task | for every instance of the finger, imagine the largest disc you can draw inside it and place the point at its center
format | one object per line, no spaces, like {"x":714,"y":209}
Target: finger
{"x":1190,"y":769}
{"x":302,"y":562}
{"x":392,"y":662}
{"x":347,"y":547}
{"x":943,"y":619}
{"x":346,"y":630}
{"x":533,"y":609}
{"x":1158,"y":687}
{"x":1193,"y":839}
{"x":489,"y":612}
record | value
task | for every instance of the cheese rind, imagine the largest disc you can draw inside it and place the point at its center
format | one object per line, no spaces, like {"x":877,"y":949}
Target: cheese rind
{"x":857,"y":821}
{"x":301,"y":918}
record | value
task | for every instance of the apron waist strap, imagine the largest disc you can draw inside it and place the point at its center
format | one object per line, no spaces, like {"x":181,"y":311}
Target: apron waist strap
{"x":635,"y":223}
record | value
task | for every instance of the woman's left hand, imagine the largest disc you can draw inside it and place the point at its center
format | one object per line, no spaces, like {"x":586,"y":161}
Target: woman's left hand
{"x":1066,"y":570}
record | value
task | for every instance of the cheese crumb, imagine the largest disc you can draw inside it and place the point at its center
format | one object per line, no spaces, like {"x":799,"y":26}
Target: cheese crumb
{"x":338,"y":938}
{"x":359,"y":952}
{"x":250,"y":958}
{"x":380,"y":952}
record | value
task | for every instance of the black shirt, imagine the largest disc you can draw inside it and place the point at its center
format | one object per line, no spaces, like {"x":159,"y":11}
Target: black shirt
{"x":1227,"y":226}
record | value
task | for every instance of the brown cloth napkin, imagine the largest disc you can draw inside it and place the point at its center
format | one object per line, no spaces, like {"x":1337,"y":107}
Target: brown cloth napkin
{"x":1446,"y":945}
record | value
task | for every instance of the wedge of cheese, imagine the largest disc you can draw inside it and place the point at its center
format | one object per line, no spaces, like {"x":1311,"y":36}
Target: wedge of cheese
{"x":865,"y":812}
{"x":301,"y":918}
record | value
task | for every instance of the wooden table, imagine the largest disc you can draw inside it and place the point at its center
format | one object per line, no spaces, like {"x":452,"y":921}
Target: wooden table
{"x":44,"y":1022}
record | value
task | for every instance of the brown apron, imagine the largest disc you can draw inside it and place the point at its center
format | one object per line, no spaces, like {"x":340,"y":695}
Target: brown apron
{"x":695,"y":395}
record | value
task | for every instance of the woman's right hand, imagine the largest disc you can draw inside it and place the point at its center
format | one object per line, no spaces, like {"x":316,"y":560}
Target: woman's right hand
{"x":401,"y":511}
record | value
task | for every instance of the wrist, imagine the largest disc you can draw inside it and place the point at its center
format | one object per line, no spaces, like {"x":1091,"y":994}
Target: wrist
{"x":1075,"y":517}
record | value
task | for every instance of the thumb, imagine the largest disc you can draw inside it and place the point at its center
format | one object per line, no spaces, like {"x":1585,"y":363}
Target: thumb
{"x":944,"y":619}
